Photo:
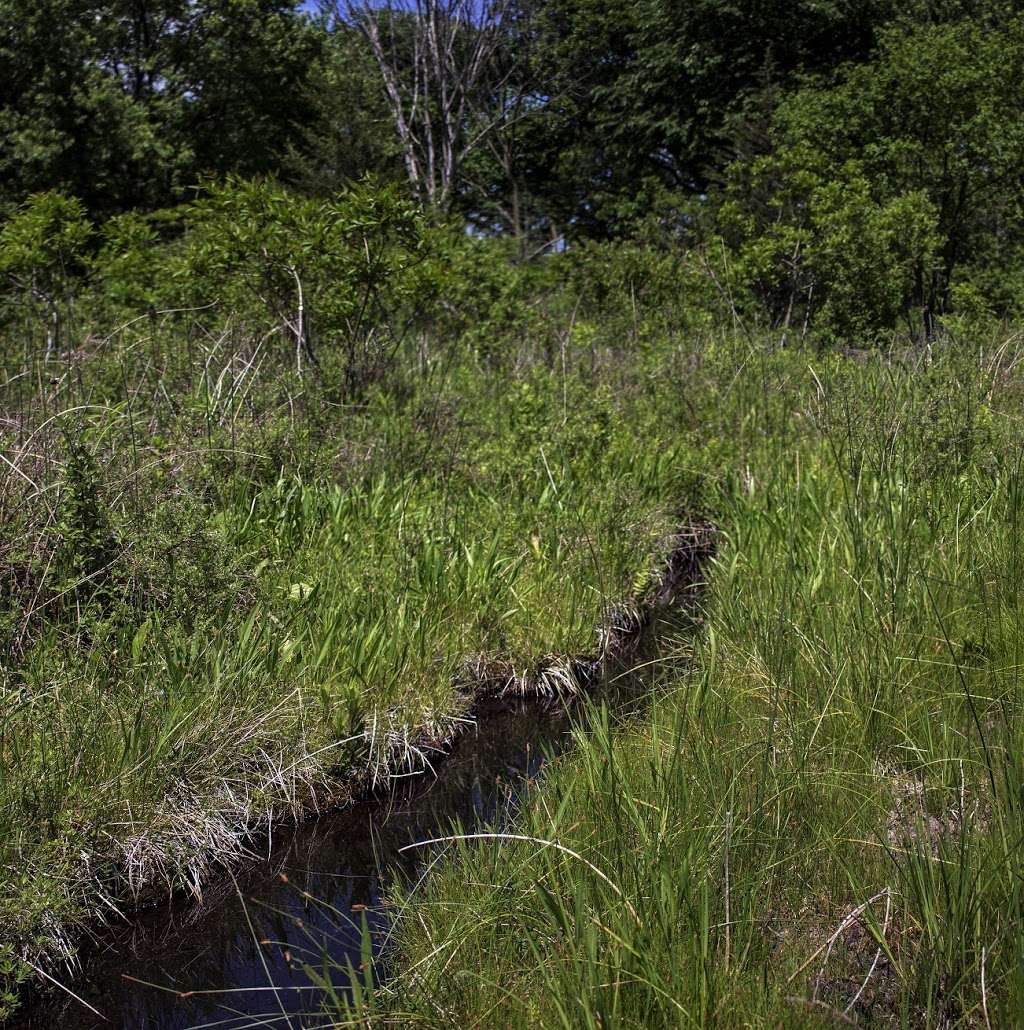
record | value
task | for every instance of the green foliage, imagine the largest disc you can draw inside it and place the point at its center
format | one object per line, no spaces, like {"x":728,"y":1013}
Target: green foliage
{"x":128,"y":103}
{"x":234,"y":578}
{"x":317,"y":462}
{"x":87,"y":548}
{"x":42,"y":246}
{"x":330,"y":271}
{"x":242,"y":68}
{"x":349,"y":133}
{"x":834,"y":756}
{"x":641,"y":95}
{"x":68,"y":118}
{"x":43,"y":243}
{"x":832,"y":248}
{"x":888,"y":188}
{"x":13,"y":973}
{"x":128,"y":268}
{"x":476,"y":292}
{"x":641,"y":287}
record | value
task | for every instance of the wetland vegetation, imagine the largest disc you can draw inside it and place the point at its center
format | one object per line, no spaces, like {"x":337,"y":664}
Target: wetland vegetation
{"x":325,"y":411}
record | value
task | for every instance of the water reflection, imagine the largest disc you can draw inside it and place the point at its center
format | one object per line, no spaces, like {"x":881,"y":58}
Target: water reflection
{"x":241,"y":958}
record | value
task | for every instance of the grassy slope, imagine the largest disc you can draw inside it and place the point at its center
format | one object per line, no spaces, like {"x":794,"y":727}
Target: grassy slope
{"x":822,"y":822}
{"x":250,"y":595}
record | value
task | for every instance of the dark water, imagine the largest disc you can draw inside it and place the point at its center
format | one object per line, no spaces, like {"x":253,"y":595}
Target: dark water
{"x":239,"y":958}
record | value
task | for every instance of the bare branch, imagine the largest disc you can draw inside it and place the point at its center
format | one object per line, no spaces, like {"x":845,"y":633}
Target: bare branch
{"x":439,"y":64}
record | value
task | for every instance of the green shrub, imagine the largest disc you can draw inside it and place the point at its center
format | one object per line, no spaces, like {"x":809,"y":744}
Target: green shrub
{"x":329,"y":275}
{"x":875,"y":193}
{"x":42,"y":249}
{"x":87,"y":549}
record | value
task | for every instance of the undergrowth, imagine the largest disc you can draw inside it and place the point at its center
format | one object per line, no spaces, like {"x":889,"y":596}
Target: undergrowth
{"x":241,"y":579}
{"x":231,"y":595}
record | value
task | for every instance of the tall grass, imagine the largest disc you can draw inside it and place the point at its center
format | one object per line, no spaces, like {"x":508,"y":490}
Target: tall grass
{"x":228,"y":595}
{"x":819,"y":820}
{"x":231,"y":599}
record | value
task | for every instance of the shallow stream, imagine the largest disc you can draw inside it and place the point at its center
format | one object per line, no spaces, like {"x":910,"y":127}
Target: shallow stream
{"x":212,"y":952}
{"x":238,"y":959}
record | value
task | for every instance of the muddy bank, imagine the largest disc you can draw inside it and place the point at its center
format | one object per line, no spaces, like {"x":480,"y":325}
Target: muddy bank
{"x":238,"y":957}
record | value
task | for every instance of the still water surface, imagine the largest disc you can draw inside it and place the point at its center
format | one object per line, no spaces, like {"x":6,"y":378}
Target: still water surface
{"x":239,"y":959}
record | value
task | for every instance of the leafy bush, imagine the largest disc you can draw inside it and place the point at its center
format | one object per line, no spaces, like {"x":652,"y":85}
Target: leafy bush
{"x":130,"y":269}
{"x":330,"y":275}
{"x":42,"y":246}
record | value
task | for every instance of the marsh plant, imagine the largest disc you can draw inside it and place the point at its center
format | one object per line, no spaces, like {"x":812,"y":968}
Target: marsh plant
{"x":355,"y":365}
{"x":817,"y":821}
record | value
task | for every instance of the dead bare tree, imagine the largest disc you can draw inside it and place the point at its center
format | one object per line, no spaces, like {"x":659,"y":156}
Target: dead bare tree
{"x":439,"y":61}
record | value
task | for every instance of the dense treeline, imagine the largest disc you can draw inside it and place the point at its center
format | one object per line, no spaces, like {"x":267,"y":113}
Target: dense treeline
{"x":856,"y":167}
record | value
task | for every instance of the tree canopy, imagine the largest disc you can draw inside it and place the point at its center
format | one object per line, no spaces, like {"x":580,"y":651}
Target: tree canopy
{"x":131,"y":101}
{"x":839,"y":150}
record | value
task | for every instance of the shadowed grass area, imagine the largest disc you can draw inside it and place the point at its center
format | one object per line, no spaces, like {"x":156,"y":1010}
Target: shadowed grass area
{"x":819,"y":820}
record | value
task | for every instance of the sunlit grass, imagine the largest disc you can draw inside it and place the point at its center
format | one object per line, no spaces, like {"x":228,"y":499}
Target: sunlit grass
{"x":143,"y":741}
{"x":819,"y":820}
